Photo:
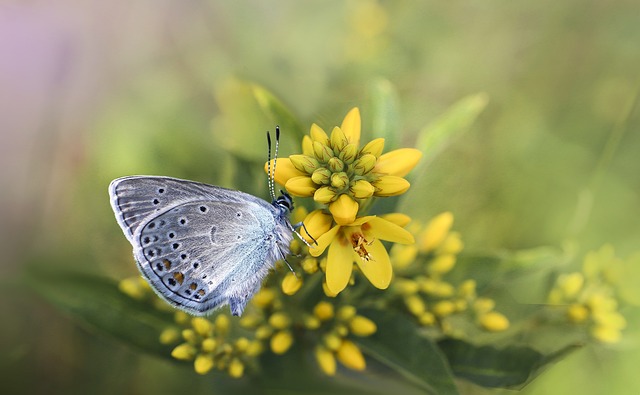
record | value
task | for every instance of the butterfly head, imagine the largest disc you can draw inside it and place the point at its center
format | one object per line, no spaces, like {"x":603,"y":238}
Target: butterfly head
{"x":284,"y":202}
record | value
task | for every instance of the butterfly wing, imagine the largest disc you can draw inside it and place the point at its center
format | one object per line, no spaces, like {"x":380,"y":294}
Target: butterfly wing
{"x":199,"y":246}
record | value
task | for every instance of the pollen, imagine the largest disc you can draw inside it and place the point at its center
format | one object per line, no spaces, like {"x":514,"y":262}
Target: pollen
{"x":359,"y":244}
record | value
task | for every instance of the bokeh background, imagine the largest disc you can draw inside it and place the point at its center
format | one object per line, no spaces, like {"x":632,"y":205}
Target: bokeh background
{"x":90,"y":91}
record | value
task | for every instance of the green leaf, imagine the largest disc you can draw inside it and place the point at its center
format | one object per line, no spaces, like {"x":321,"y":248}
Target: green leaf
{"x":385,"y":112}
{"x":435,"y":137}
{"x":509,"y":367}
{"x":276,"y":111}
{"x":398,"y":345}
{"x":247,"y":111}
{"x":97,"y":303}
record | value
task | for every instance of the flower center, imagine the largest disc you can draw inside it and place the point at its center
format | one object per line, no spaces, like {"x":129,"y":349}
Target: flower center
{"x":359,"y":244}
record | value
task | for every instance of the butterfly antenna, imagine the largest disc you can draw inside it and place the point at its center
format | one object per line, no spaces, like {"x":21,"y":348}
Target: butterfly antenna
{"x":270,"y":176}
{"x":275,"y":162}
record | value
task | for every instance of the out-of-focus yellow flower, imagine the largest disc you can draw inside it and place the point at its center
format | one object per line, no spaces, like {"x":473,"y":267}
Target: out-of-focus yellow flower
{"x":203,"y":363}
{"x":291,"y":284}
{"x":281,"y":342}
{"x":326,"y":360}
{"x":350,"y":356}
{"x":359,"y":242}
{"x":323,"y":311}
{"x":435,"y":232}
{"x":362,"y":326}
{"x":236,"y":368}
{"x":494,"y":321}
{"x":337,"y":173}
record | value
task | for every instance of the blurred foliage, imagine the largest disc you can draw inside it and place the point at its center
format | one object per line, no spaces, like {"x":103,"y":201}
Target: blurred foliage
{"x":160,"y":89}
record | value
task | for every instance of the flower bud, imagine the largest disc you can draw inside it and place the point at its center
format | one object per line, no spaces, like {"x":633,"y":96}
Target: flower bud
{"x":435,"y":232}
{"x":281,"y":342}
{"x":335,"y":165}
{"x":350,"y":356}
{"x":324,"y":195}
{"x":304,"y":163}
{"x":301,"y":186}
{"x":326,"y":360}
{"x":184,"y":352}
{"x":324,"y":311}
{"x":319,"y":135}
{"x":321,"y":176}
{"x":279,"y":320}
{"x":338,"y":139}
{"x":209,"y":344}
{"x":339,"y":181}
{"x":348,"y":153}
{"x":361,"y":189}
{"x":494,"y":321}
{"x":291,"y":284}
{"x":345,"y":313}
{"x":236,"y":368}
{"x":322,"y":152}
{"x":203,"y":363}
{"x":364,"y":164}
{"x":362,"y":326}
{"x":202,"y":326}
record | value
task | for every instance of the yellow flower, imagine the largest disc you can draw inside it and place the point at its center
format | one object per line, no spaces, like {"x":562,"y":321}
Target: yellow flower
{"x":350,"y":356}
{"x":203,"y":363}
{"x":359,"y":242}
{"x":337,"y":173}
{"x":281,"y":342}
{"x":326,"y":360}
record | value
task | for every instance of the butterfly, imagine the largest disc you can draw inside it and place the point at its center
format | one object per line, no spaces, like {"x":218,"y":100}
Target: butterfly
{"x":201,"y":246}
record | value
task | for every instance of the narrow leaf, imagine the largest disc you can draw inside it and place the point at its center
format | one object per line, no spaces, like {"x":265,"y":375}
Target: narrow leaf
{"x":450,"y":125}
{"x":97,"y":303}
{"x":398,"y":345}
{"x":509,"y":367}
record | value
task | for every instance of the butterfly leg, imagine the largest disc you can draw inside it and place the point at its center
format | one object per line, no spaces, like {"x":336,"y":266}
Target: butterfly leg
{"x":294,"y":228}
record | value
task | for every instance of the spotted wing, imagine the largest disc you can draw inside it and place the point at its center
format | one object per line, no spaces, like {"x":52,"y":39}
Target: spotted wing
{"x":135,"y":198}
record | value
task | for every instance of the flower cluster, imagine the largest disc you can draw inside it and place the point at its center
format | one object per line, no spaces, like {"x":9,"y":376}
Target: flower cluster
{"x":589,"y":297}
{"x":343,"y":178}
{"x":421,"y":286}
{"x":331,"y":329}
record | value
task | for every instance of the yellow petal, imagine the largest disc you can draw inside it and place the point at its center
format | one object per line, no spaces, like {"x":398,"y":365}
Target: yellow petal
{"x":397,"y":218}
{"x":398,"y":162}
{"x":373,"y":147}
{"x":316,"y":223}
{"x":344,"y":210}
{"x":351,"y":126}
{"x":307,"y":146}
{"x":391,"y":186}
{"x":339,"y":265}
{"x":301,"y":186}
{"x":319,"y":135}
{"x":382,"y":229}
{"x":350,"y":356}
{"x":324,"y":241}
{"x":284,"y":170}
{"x":378,"y":269}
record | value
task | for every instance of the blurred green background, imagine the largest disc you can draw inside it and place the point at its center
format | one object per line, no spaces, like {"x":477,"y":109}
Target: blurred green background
{"x":90,"y":91}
